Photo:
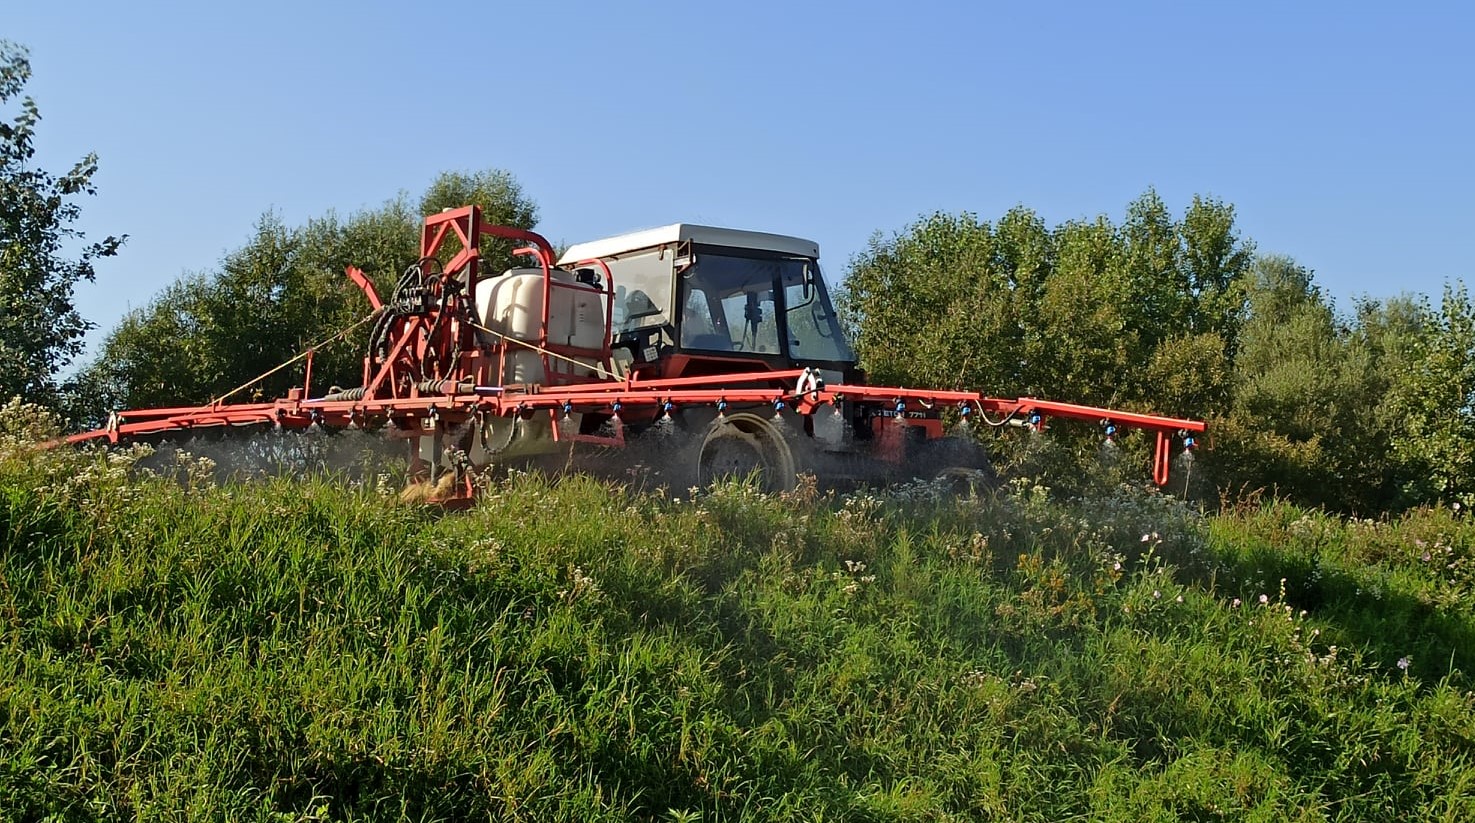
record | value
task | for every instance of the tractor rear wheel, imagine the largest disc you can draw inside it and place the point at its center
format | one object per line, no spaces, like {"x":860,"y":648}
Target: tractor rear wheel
{"x":739,"y":446}
{"x":959,"y":463}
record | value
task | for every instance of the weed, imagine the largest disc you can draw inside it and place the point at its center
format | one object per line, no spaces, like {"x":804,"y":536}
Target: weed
{"x":178,"y":647}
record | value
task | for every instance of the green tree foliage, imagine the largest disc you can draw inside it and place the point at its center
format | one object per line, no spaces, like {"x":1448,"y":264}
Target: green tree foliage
{"x":1368,"y":413}
{"x":1306,"y":394}
{"x":501,"y":199}
{"x":281,"y":293}
{"x":1143,"y":315}
{"x":1140,"y":315}
{"x":40,"y":329}
{"x":1430,"y":409}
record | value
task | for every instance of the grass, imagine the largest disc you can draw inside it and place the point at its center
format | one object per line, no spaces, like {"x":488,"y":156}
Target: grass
{"x":305,"y":650}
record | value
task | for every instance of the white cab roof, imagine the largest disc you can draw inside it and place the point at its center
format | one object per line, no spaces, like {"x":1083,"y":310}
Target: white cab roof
{"x":681,"y":232}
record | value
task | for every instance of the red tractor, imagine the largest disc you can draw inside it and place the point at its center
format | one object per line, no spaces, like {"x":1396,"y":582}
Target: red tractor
{"x":705,"y":352}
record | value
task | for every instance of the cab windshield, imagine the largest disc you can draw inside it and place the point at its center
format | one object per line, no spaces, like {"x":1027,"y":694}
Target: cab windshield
{"x":767,"y":305}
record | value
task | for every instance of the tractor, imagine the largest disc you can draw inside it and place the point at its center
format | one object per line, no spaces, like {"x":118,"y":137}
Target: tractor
{"x":695,"y":352}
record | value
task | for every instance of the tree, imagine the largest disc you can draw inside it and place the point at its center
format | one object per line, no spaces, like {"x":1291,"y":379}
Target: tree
{"x":40,"y":328}
{"x":1334,"y":411}
{"x":1431,"y":402}
{"x":279,"y":294}
{"x":1143,"y":315}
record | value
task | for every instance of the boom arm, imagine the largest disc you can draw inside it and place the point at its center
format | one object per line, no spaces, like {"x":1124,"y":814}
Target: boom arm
{"x":807,"y":396}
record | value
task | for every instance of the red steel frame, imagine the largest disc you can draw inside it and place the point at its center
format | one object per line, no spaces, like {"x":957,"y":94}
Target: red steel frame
{"x":472,"y":387}
{"x":423,"y":338}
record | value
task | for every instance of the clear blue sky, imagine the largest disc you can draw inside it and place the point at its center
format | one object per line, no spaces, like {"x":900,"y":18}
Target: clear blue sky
{"x":1341,"y":132}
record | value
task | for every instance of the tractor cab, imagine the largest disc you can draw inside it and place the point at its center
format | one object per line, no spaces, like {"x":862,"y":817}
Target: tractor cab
{"x":692,"y":300}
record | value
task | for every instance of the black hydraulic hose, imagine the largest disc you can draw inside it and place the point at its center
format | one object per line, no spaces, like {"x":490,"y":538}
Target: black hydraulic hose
{"x":430,"y":355}
{"x":378,"y":335}
{"x":413,"y":277}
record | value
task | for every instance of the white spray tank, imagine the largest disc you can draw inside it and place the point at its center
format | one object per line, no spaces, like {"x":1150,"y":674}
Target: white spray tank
{"x":512,"y":305}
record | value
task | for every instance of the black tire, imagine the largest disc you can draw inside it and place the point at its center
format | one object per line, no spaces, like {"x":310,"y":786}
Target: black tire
{"x":958,"y":461}
{"x":745,"y":445}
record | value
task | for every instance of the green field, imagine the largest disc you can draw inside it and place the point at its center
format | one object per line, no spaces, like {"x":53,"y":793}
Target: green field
{"x":304,"y":650}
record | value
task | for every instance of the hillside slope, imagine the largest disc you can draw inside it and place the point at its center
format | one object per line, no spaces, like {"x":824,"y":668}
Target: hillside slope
{"x":305,"y":650}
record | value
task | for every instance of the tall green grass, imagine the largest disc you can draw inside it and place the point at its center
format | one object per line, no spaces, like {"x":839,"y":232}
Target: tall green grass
{"x":303,"y":650}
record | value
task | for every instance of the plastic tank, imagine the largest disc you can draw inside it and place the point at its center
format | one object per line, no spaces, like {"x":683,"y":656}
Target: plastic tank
{"x":513,"y":305}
